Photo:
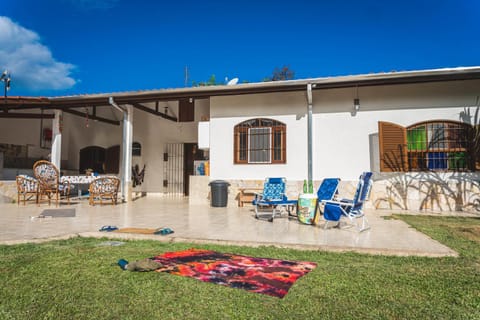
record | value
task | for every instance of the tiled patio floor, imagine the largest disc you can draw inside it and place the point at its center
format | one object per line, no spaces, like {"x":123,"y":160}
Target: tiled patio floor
{"x":201,"y":223}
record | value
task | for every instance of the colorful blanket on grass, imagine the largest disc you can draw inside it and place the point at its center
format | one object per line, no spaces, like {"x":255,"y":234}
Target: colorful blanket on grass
{"x":262,"y":275}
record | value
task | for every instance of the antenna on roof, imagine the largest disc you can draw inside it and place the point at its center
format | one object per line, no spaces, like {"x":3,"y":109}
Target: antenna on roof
{"x":186,"y":76}
{"x":232,"y":82}
{"x":5,"y":77}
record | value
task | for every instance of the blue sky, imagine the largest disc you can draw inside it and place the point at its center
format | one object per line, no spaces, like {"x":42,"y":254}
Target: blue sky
{"x":64,"y":47}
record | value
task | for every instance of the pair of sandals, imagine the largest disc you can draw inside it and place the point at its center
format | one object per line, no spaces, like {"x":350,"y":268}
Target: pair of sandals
{"x":161,"y":231}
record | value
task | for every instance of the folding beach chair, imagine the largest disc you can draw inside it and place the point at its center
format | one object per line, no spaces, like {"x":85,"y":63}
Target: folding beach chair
{"x":327,"y":191}
{"x":273,"y":196}
{"x":352,"y":209}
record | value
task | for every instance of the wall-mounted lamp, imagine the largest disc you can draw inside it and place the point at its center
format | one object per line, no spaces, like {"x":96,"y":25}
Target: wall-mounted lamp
{"x":356,"y":104}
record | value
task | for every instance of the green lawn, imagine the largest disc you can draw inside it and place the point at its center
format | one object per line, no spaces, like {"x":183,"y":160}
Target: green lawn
{"x":77,"y":279}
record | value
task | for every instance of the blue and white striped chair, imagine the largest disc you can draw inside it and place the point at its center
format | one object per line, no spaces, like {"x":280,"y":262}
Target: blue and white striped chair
{"x":273,"y":196}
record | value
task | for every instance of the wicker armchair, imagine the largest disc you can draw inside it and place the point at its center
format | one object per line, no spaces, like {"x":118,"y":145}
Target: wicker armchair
{"x":49,"y":182}
{"x":27,"y":187}
{"x":104,"y":188}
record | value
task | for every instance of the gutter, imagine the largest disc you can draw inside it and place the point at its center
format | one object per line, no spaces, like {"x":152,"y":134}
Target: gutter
{"x":116,"y":106}
{"x":363,"y":80}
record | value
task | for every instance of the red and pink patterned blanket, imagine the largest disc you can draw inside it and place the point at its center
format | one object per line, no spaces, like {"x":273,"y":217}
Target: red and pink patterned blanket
{"x":262,"y":275}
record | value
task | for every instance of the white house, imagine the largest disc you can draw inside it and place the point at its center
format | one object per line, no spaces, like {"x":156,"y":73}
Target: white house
{"x":412,"y":129}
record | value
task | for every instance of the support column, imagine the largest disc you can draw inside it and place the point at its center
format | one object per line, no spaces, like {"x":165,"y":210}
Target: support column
{"x":127,"y":153}
{"x":56,"y":151}
{"x":309,"y":131}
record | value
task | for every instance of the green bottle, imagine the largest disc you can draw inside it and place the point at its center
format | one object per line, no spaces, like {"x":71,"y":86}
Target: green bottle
{"x":310,"y":186}
{"x":304,"y":186}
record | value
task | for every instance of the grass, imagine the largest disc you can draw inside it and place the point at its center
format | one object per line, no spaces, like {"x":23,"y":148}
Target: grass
{"x":78,"y":279}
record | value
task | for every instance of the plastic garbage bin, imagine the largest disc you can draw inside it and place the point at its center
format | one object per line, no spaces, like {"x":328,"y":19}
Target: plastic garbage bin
{"x":219,"y":193}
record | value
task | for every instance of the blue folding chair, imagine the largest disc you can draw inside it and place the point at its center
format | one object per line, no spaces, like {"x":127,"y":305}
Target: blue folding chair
{"x":327,"y":191}
{"x":273,"y":196}
{"x":352,"y":209}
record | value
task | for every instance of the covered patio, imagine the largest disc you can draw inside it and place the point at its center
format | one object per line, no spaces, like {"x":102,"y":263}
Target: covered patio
{"x":204,"y":224}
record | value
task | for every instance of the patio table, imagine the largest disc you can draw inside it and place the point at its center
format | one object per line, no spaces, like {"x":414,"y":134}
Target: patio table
{"x":80,"y":182}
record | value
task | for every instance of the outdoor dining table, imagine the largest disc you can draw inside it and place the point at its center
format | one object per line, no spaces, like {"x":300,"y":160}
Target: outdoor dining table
{"x":81,"y":182}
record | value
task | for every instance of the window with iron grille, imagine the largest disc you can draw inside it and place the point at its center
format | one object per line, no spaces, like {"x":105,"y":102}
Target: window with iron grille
{"x":439,"y":145}
{"x":260,"y":141}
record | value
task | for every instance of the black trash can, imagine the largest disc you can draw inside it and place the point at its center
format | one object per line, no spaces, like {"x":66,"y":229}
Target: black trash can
{"x":219,"y":193}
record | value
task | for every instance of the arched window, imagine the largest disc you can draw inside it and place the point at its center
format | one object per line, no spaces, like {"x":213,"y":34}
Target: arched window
{"x":438,"y":145}
{"x":260,"y":141}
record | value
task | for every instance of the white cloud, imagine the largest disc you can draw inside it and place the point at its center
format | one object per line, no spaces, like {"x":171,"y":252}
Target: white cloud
{"x":30,"y":62}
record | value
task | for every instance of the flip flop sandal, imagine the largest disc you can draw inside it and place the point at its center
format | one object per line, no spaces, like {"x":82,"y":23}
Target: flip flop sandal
{"x":164,"y":231}
{"x":167,"y":231}
{"x":108,"y":228}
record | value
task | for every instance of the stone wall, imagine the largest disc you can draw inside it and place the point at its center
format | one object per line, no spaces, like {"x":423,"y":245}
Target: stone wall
{"x":8,"y":192}
{"x":428,"y":192}
{"x":200,"y":190}
{"x":433,"y":192}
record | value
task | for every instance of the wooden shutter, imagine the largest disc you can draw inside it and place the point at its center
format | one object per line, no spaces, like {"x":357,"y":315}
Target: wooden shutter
{"x":240,"y":144}
{"x":279,"y":140}
{"x":186,"y":110}
{"x":112,"y":159}
{"x":393,"y":147}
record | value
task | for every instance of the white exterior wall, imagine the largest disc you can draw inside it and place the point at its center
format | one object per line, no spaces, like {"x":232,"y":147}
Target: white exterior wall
{"x":343,"y":145}
{"x":226,"y":112}
{"x":342,"y":142}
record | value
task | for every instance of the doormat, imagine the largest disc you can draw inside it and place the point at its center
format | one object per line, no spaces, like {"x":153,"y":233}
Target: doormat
{"x":273,"y":277}
{"x":58,"y":213}
{"x":135,"y":230}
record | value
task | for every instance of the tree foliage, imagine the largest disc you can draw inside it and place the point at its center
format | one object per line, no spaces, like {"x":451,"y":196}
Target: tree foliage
{"x":210,"y":82}
{"x":283,"y":73}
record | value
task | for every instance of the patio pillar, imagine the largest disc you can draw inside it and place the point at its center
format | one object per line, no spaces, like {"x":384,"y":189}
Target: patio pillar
{"x":56,"y":151}
{"x":127,"y":137}
{"x":309,"y":130}
{"x":127,"y":153}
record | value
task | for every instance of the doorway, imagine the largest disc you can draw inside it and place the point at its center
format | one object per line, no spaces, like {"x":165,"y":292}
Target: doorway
{"x":179,"y":166}
{"x":191,"y":153}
